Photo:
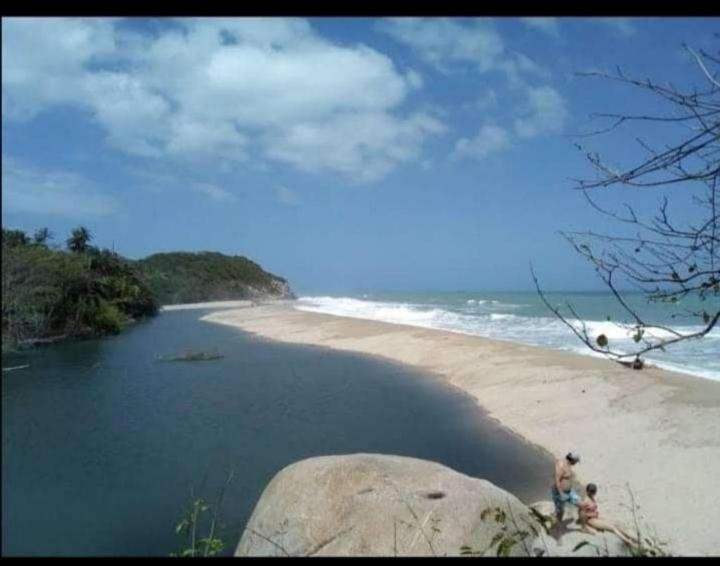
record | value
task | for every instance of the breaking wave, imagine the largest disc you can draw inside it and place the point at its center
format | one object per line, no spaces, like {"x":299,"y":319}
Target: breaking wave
{"x":484,"y":317}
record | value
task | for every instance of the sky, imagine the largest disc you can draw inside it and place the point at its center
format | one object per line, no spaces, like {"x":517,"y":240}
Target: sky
{"x":344,"y":154}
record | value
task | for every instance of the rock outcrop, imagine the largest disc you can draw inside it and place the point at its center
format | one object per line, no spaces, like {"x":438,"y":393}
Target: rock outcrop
{"x":377,"y":505}
{"x":571,"y":536}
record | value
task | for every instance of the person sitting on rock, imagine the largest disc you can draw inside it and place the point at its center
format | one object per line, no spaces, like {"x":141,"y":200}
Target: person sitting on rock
{"x":589,"y":516}
{"x":562,"y":488}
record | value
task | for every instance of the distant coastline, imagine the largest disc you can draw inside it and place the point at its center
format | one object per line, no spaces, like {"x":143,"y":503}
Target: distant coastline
{"x":52,"y":293}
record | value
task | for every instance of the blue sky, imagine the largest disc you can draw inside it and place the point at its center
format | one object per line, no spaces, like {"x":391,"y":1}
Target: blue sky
{"x":346,"y":154}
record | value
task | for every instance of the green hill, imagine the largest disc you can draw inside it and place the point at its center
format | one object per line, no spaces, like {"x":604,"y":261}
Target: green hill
{"x":50,"y":293}
{"x":183,"y":277}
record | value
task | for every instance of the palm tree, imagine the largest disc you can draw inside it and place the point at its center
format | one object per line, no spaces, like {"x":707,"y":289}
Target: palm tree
{"x":41,"y":236}
{"x":79,"y":240}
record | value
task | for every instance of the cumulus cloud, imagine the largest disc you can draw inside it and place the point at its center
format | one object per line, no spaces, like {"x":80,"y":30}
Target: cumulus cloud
{"x":488,"y":140}
{"x":229,"y":89}
{"x":442,"y":41}
{"x":543,"y":113}
{"x":362,"y":145}
{"x":58,"y":193}
{"x":447,"y":44}
{"x":546,"y":113}
{"x":44,"y":61}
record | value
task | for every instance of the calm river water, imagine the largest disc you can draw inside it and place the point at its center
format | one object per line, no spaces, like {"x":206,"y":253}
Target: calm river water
{"x":102,"y":444}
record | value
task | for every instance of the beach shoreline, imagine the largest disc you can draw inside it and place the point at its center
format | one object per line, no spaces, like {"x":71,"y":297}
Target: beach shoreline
{"x":654,"y":430}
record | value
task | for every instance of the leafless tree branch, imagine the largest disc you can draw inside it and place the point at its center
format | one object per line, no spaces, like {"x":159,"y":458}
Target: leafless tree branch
{"x":665,"y":259}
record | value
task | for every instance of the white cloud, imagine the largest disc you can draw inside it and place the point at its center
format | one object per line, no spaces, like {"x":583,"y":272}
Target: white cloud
{"x":57,"y":193}
{"x":488,"y":140}
{"x":447,"y":44}
{"x":44,"y":60}
{"x":226,"y":89}
{"x":549,"y":26}
{"x":545,"y":113}
{"x":486,"y":100}
{"x":362,"y":146}
{"x":287,"y":197}
{"x":621,"y":26}
{"x":135,"y":118}
{"x":214,"y":192}
{"x":159,"y":181}
{"x":441,"y":41}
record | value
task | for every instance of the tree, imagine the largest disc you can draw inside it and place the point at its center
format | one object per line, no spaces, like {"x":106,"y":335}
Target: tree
{"x":14,"y":238}
{"x":79,"y":240}
{"x":41,"y":236}
{"x":664,"y":259}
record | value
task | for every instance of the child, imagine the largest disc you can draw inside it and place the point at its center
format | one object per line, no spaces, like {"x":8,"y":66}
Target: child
{"x":588,"y":516}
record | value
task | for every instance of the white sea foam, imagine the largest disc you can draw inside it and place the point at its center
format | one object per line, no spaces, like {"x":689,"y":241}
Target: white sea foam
{"x":694,"y":357}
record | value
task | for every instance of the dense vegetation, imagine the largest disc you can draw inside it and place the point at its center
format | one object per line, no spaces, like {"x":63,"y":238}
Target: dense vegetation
{"x":182,"y":277}
{"x":50,"y":292}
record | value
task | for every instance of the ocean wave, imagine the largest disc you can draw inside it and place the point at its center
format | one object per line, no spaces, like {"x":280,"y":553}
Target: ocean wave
{"x":539,"y":330}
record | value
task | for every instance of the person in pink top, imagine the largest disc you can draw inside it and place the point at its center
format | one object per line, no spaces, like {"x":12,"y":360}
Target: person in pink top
{"x":589,"y":516}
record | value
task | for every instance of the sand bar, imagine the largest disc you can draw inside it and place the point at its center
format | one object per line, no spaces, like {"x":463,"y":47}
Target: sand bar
{"x":656,"y":430}
{"x":208,"y":305}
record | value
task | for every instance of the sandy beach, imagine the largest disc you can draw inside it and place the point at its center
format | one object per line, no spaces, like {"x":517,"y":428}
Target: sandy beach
{"x":208,"y":305}
{"x":654,"y":430}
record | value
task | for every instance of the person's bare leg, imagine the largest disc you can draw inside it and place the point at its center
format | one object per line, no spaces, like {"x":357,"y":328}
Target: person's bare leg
{"x":602,"y":526}
{"x":557,"y":526}
{"x":584,"y":525}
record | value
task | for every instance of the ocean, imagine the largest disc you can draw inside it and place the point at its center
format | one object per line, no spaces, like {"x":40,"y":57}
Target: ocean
{"x":522,"y":317}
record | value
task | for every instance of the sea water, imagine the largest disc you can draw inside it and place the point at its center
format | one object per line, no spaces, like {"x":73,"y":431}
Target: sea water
{"x":522,"y":317}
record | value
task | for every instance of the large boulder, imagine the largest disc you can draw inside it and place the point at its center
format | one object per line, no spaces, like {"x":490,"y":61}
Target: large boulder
{"x":377,"y":505}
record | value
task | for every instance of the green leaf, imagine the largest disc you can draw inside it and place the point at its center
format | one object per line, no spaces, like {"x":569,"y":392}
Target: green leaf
{"x":602,"y":341}
{"x":505,"y":546}
{"x":497,"y":538}
{"x":581,"y":544}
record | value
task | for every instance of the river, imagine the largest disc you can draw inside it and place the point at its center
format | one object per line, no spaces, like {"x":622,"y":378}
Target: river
{"x":102,"y":443}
